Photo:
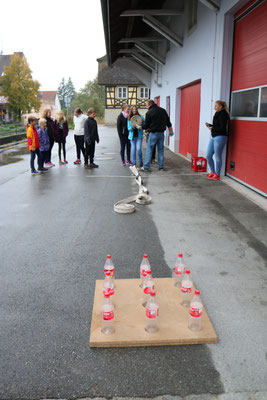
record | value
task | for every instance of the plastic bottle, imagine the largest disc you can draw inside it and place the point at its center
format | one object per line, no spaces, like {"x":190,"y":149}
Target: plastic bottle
{"x":148,"y":286}
{"x":144,"y":267}
{"x":108,"y":285}
{"x":152,"y":313}
{"x":109,"y":266}
{"x":107,"y":312}
{"x":186,"y":289}
{"x":179,"y":270}
{"x":195,"y":318}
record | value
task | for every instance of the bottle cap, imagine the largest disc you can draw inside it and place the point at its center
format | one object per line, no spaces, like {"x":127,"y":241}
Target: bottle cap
{"x":106,"y":295}
{"x":197,"y":292}
{"x":180,"y":255}
{"x":187,"y":271}
{"x":152,"y":293}
{"x":108,"y":273}
{"x":108,"y":256}
{"x":145,"y":256}
{"x":148,"y":272}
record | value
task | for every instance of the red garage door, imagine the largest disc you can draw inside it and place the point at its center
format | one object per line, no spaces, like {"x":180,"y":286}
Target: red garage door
{"x":247,"y":148}
{"x":189,"y":120}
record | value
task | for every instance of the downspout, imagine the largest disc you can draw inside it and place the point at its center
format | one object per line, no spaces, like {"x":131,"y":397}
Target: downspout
{"x":213,"y":67}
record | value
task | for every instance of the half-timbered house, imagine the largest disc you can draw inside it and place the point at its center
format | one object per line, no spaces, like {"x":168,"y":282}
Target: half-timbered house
{"x":121,"y":87}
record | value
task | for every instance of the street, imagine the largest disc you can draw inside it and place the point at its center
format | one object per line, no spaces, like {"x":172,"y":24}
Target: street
{"x":56,"y":230}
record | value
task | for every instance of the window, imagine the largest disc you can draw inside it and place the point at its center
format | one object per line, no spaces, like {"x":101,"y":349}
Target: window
{"x":251,"y":103}
{"x":122,"y":92}
{"x":245,"y":103}
{"x":144,"y":93}
{"x":263,"y":106}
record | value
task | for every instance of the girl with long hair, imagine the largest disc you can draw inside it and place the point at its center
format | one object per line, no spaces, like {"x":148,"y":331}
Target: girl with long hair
{"x":136,"y":137}
{"x":51,"y":134}
{"x":62,"y":131}
{"x":219,"y":133}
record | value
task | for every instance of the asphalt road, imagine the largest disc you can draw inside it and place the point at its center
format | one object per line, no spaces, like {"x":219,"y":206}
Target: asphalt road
{"x":56,"y":230}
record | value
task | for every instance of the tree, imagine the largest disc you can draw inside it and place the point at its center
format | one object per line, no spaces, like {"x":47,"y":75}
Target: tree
{"x":61,"y":92}
{"x":92,"y":95}
{"x":20,"y":88}
{"x":65,"y":89}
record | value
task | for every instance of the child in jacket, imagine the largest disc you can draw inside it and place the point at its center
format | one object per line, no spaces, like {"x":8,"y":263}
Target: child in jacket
{"x":44,"y":141}
{"x":62,"y":130}
{"x":33,"y":145}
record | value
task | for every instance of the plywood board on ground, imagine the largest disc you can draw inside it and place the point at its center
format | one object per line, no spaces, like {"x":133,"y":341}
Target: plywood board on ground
{"x":130,"y":318}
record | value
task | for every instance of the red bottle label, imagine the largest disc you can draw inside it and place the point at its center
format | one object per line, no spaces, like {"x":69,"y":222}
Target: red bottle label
{"x":111,"y":272}
{"x":178,"y":271}
{"x":186,"y":290}
{"x":195,"y":312}
{"x":107,"y":316}
{"x":147,"y":290}
{"x":152,"y":313}
{"x":143,"y":272}
{"x":110,"y":291}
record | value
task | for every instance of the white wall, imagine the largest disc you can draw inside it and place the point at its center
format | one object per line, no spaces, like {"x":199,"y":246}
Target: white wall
{"x":206,"y":56}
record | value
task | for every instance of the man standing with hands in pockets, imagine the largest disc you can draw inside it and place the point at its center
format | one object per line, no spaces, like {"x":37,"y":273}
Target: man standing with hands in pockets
{"x":156,"y":122}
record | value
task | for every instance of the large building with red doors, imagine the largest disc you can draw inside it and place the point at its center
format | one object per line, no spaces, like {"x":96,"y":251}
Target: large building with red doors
{"x":191,"y":53}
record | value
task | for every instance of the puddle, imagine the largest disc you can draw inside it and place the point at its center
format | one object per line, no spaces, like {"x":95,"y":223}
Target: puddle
{"x":12,"y":155}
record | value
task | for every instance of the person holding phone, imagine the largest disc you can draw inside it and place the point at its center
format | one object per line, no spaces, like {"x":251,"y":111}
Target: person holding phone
{"x":219,"y":132}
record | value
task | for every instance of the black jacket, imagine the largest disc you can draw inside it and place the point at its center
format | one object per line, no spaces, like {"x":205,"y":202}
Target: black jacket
{"x":51,"y":129}
{"x":220,"y":124}
{"x":156,"y":119}
{"x":90,"y":131}
{"x":122,"y":128}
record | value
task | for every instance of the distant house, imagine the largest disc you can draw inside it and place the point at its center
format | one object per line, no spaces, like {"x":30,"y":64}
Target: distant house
{"x":49,"y":100}
{"x":5,"y":60}
{"x":121,"y":86}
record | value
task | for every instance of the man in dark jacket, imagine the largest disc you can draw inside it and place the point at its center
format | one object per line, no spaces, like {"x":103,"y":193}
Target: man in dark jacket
{"x":123,"y":133}
{"x":90,"y":137}
{"x":155,"y":123}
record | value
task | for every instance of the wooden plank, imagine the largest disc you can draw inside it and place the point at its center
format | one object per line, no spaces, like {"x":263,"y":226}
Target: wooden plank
{"x":130,"y":318}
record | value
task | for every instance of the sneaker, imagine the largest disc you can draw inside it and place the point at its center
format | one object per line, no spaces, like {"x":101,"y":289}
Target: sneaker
{"x":77,"y":161}
{"x":42,"y":169}
{"x":161,"y":169}
{"x":34,"y":172}
{"x":65,"y":161}
{"x":86,"y":166}
{"x":145,"y":169}
{"x":141,"y":164}
{"x":52,"y":165}
{"x":215,"y":177}
{"x":153,"y":161}
{"x":61,"y":162}
{"x":123,"y":163}
{"x":93,"y":165}
{"x":47,"y":165}
{"x":210,"y":175}
{"x":129,"y":162}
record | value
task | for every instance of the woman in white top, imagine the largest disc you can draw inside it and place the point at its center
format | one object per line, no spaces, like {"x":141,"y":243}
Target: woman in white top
{"x":79,"y":120}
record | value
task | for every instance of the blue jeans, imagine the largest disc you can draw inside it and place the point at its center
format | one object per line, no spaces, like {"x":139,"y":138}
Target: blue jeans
{"x":33,"y":154}
{"x":125,"y":142}
{"x":136,"y":145}
{"x":216,"y":146}
{"x":155,"y":138}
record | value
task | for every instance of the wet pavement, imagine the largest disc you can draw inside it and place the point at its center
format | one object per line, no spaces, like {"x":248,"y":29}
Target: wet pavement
{"x":56,"y":229}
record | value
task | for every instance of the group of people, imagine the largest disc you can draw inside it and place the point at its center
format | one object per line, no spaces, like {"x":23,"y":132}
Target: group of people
{"x":41,"y":139}
{"x":131,"y":135}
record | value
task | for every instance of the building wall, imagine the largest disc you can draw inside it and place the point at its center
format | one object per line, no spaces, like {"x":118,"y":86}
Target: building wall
{"x":206,"y":56}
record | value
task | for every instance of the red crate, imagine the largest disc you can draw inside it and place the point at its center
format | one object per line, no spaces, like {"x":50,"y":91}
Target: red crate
{"x":199,"y":164}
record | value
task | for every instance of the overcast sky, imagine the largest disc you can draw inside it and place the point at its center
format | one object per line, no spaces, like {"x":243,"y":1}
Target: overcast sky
{"x":60,"y":38}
